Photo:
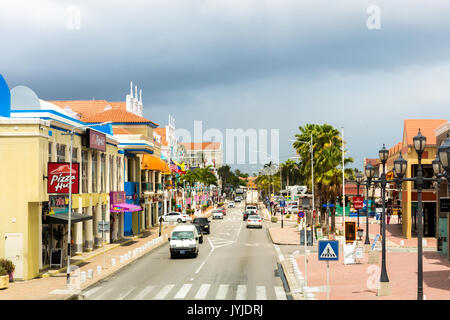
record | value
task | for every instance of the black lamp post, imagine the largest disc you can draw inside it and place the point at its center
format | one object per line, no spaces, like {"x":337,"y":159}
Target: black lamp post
{"x":369,"y":172}
{"x":359,"y":179}
{"x":384,"y":280}
{"x":400,"y":166}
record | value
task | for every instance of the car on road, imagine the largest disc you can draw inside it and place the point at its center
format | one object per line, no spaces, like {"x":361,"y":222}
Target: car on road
{"x":200,"y":233}
{"x":176,"y":216}
{"x":217,"y":214}
{"x":224,"y":211}
{"x":183,"y":241}
{"x":245,"y":215}
{"x":237,"y":199}
{"x":251,"y":208}
{"x":293,"y":209}
{"x":231,"y":204}
{"x":254,"y":221}
{"x":204,"y":223}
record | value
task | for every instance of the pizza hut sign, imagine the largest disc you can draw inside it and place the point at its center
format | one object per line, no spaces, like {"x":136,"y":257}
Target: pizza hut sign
{"x":59,"y":177}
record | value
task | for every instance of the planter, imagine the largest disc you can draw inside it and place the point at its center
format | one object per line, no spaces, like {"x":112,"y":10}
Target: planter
{"x":11,"y":277}
{"x":274,"y":219}
{"x":4,"y":282}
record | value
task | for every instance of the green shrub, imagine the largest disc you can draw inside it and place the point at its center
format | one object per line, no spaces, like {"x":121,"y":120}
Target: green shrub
{"x":221,"y":204}
{"x":8,"y":265}
{"x":190,"y":211}
{"x":274,"y":219}
{"x":204,"y":207}
{"x":3,"y":272}
{"x":288,"y":216}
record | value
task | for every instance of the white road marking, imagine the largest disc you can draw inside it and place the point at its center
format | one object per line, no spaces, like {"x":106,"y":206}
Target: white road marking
{"x":241,"y":292}
{"x":203,"y":291}
{"x":144,"y":293}
{"x":124,"y":295}
{"x":261,"y":293}
{"x":279,"y":292}
{"x":163,"y":293}
{"x":92,"y":291}
{"x":105,"y":293}
{"x":280,"y":255}
{"x":183,"y":291}
{"x":222,"y":291}
{"x":203,"y":263}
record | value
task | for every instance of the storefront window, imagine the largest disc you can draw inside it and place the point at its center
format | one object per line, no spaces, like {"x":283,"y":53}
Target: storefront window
{"x":94,"y":172}
{"x":60,"y":152}
{"x":84,"y":171}
{"x":103,"y":172}
{"x":74,"y":154}
{"x":50,"y":151}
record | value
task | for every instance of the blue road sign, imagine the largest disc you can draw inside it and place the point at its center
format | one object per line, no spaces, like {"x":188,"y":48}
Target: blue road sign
{"x":282,"y":203}
{"x":301,"y":214}
{"x":328,"y":250}
{"x":324,"y":205}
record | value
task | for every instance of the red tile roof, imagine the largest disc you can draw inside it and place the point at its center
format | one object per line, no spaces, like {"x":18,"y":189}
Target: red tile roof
{"x":427,"y":127}
{"x":116,"y":115}
{"x":121,"y":131}
{"x":202,"y":146}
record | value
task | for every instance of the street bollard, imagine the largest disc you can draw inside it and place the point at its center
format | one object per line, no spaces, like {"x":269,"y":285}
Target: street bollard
{"x":113,"y":262}
{"x":99,"y":270}
{"x":129,"y":254}
{"x":83,"y":276}
{"x":121,"y":259}
{"x":90,"y":274}
{"x":402,"y":243}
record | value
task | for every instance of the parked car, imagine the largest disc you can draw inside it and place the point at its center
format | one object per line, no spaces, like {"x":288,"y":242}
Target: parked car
{"x":184,"y":240}
{"x":204,"y":223}
{"x":293,"y":209}
{"x":176,"y":216}
{"x":217,"y":214}
{"x":200,"y":233}
{"x":237,"y":199}
{"x":254,"y":221}
{"x":231,"y":204}
{"x":224,"y":211}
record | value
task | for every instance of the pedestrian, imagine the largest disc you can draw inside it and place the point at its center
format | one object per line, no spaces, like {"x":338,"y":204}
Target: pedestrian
{"x":388,"y":217}
{"x":399,"y":216}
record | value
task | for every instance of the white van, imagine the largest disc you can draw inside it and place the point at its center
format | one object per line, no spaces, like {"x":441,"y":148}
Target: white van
{"x":183,"y":241}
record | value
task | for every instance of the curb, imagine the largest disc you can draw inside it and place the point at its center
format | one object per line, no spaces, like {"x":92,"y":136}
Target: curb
{"x":77,"y":296}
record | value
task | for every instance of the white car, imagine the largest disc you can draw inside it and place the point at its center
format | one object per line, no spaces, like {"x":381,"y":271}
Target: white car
{"x":176,"y":217}
{"x":252,"y":209}
{"x":254,"y":221}
{"x":231,"y":204}
{"x":293,"y":209}
{"x":183,"y":241}
{"x":217,"y":214}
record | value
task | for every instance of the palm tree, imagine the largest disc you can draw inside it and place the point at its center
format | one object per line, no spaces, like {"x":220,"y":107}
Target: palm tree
{"x":289,"y":167}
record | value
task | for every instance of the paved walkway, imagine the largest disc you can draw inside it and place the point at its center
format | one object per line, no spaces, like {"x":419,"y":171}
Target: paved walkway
{"x":53,"y":284}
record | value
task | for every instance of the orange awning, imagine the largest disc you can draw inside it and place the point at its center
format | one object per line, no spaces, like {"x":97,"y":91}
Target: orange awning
{"x":150,"y":162}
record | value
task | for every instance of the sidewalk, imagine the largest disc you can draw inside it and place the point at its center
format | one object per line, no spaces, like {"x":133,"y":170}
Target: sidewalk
{"x":52,"y":285}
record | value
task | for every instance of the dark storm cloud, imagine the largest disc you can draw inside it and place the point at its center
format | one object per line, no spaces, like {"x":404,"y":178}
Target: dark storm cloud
{"x":262,"y":64}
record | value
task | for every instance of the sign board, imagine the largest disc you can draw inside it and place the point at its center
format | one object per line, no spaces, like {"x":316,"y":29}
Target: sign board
{"x":301,"y":214}
{"x":309,"y":238}
{"x":359,"y":253}
{"x":349,"y":253}
{"x":445,"y":205}
{"x":103,"y":226}
{"x":305,"y":203}
{"x":56,"y":257}
{"x":58,"y":201}
{"x":324,"y":205}
{"x":377,"y":237}
{"x":117,"y":197}
{"x":319,"y":233}
{"x":350,"y":231}
{"x":282,"y":203}
{"x":96,"y":140}
{"x":328,"y":250}
{"x":59,"y":177}
{"x":358,"y":202}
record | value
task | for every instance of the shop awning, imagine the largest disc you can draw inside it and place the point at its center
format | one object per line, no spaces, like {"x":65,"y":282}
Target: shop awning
{"x":125,"y":207}
{"x":63,"y":218}
{"x":150,"y":162}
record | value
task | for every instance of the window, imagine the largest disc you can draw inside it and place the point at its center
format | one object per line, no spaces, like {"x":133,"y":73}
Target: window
{"x":94,"y":172}
{"x":60,"y":152}
{"x":103,"y":172}
{"x":74,"y":154}
{"x":84,"y":171}
{"x":50,"y":145}
{"x":427,"y":172}
{"x":119,"y":174}
{"x":111,"y":173}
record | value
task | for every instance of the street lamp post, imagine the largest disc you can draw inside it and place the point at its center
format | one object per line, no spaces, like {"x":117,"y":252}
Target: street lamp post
{"x":69,"y":220}
{"x":358,"y":183}
{"x":369,"y":172}
{"x":384,"y":280}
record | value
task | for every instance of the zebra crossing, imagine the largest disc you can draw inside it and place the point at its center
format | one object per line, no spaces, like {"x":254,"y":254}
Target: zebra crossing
{"x":189,"y":291}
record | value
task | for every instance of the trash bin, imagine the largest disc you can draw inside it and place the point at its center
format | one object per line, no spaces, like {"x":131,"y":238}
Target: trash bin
{"x":309,"y":240}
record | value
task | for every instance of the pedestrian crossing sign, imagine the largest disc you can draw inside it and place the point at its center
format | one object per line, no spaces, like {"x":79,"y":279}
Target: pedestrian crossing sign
{"x":328,"y":250}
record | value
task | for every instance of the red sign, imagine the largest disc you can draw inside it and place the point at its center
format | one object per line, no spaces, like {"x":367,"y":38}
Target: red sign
{"x":301,"y":214}
{"x":117,"y":197}
{"x":97,"y":140}
{"x":358,"y":202}
{"x":59,"y":177}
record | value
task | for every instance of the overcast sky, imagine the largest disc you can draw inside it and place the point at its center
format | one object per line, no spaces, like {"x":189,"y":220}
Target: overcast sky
{"x":274,"y":64}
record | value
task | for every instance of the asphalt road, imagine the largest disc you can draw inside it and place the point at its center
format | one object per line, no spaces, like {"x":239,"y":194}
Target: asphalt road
{"x":234,"y":263}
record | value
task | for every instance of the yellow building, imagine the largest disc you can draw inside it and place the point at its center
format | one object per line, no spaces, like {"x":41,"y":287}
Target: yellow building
{"x":28,"y":142}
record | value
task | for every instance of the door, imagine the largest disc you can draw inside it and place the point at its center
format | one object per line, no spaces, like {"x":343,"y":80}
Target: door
{"x":14,"y":252}
{"x":429,"y":219}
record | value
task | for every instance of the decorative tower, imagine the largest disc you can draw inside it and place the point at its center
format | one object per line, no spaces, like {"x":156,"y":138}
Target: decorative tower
{"x":130,"y":99}
{"x":141,"y":107}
